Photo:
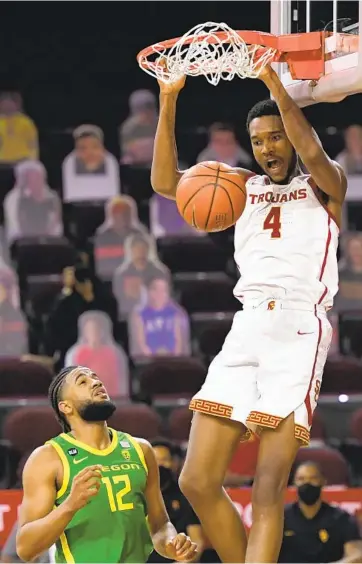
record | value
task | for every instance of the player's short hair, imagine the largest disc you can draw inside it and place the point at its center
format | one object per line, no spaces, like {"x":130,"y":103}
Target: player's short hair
{"x":54,"y":394}
{"x":263,"y":108}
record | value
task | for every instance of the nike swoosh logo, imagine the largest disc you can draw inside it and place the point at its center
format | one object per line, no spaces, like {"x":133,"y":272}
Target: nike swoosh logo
{"x":305,"y":332}
{"x":80,"y":460}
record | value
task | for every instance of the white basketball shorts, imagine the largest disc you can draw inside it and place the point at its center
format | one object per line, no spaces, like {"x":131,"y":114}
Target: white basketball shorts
{"x":271,"y":365}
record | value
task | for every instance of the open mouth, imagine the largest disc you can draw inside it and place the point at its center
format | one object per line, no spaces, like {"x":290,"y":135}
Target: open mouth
{"x":274,"y":165}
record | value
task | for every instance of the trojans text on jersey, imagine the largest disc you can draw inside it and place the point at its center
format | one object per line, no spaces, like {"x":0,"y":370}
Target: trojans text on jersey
{"x":278,"y":198}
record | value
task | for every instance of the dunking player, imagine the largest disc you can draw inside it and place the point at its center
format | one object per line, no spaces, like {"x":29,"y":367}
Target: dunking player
{"x":104,"y":485}
{"x":267,"y":377}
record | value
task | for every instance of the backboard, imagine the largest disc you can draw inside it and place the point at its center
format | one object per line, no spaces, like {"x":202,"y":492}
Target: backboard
{"x":343,"y":50}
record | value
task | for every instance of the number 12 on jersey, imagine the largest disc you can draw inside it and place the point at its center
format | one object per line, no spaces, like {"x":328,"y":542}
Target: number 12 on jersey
{"x":272,"y":222}
{"x":116,"y":502}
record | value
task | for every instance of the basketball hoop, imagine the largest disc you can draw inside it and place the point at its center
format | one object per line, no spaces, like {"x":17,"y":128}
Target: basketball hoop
{"x":218,"y":52}
{"x":213,"y":50}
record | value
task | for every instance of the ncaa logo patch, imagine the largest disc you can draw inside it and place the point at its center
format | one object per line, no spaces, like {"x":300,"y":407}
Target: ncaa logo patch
{"x":323,"y":535}
{"x":126,"y":454}
{"x":72,"y":451}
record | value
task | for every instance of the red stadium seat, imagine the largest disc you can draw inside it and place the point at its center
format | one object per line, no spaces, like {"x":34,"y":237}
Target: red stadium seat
{"x":23,"y":379}
{"x":179,"y":377}
{"x":355,"y":425}
{"x":342,"y":375}
{"x":27,"y":428}
{"x":333,"y":465}
{"x":318,"y":432}
{"x":139,"y":420}
{"x":179,"y":424}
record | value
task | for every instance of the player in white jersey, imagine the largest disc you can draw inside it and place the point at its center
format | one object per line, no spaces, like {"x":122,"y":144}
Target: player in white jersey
{"x":267,"y":377}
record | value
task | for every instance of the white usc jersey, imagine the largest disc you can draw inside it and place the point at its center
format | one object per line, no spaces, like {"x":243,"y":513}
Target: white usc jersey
{"x":286,"y":244}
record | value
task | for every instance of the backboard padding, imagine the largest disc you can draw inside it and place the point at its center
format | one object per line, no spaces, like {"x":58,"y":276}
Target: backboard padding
{"x":343,"y":74}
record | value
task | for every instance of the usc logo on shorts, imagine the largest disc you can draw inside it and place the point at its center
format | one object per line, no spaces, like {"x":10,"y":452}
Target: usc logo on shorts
{"x":271,"y":305}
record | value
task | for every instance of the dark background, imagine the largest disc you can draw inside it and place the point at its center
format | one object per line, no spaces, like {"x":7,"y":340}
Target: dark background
{"x":75,"y":62}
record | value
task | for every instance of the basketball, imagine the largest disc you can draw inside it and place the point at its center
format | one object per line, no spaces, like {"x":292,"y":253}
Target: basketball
{"x":211,"y":196}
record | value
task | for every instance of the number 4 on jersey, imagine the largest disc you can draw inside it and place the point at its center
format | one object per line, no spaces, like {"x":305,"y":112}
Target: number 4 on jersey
{"x":272,"y":221}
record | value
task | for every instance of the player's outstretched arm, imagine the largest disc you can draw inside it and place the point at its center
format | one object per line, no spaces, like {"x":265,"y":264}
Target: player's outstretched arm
{"x":165,"y":539}
{"x":164,"y":173}
{"x":327,"y":174}
{"x":40,"y":525}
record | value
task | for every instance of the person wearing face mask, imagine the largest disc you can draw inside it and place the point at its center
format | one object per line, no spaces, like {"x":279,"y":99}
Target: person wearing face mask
{"x":315,"y":531}
{"x":179,"y":510}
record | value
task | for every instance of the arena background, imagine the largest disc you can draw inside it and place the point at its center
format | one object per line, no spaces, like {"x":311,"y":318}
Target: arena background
{"x":76,"y":63}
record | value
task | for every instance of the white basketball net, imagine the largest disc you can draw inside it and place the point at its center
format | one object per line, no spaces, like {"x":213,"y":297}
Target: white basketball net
{"x":195,"y":55}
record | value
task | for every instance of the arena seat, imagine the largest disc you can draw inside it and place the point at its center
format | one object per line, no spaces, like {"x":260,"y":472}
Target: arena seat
{"x":209,"y":295}
{"x":342,"y":375}
{"x":355,"y":425}
{"x":41,"y":292}
{"x":318,"y":431}
{"x":9,"y":462}
{"x":138,"y":419}
{"x":136,"y":183}
{"x":174,"y":378}
{"x":332,"y":463}
{"x":190,"y":254}
{"x":179,"y":424}
{"x":26,"y":428}
{"x":181,"y":281}
{"x":23,"y":379}
{"x":212,"y":335}
{"x":351,"y":448}
{"x":350,"y":329}
{"x":42,"y":255}
{"x":83,"y":218}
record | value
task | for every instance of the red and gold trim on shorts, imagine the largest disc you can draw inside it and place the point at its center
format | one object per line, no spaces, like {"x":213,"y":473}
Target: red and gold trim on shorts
{"x":256,"y":418}
{"x":211,"y":407}
{"x":272,"y":421}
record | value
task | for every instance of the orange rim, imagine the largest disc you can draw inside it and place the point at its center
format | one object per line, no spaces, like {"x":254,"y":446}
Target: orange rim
{"x":304,"y":52}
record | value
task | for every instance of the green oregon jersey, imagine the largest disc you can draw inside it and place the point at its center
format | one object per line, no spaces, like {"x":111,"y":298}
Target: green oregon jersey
{"x":112,"y":527}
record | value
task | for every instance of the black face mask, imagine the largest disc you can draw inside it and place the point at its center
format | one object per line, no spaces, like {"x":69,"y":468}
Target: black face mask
{"x":309,"y":494}
{"x":166,"y":476}
{"x":97,"y":411}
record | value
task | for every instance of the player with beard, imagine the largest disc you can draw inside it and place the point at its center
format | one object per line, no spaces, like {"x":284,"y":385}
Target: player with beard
{"x":267,"y":377}
{"x":93,"y":491}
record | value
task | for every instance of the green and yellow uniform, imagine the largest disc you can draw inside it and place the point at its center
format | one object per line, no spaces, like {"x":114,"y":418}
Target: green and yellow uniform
{"x":112,"y":527}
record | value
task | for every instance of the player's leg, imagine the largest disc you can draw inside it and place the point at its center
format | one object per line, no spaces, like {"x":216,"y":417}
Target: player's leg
{"x":212,"y":443}
{"x":277,"y":451}
{"x":222,"y":405}
{"x":290,"y":374}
